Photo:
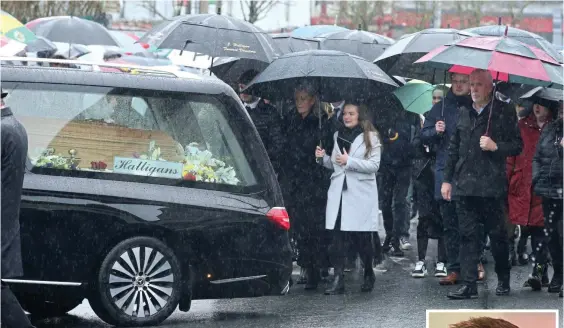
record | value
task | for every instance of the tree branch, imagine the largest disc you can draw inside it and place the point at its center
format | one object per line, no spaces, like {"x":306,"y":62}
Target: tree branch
{"x":243,"y":10}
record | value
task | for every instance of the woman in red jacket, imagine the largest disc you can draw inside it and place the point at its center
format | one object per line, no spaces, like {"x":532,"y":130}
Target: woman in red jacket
{"x":525,"y":208}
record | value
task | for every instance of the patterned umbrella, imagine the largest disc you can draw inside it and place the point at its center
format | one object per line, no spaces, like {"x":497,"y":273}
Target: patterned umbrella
{"x":14,"y":29}
{"x":10,"y":47}
{"x":507,"y":59}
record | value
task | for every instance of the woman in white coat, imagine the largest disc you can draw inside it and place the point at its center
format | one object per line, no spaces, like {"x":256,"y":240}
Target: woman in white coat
{"x":352,"y":205}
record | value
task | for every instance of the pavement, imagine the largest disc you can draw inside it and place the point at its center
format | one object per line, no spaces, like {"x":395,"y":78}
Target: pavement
{"x":397,"y":301}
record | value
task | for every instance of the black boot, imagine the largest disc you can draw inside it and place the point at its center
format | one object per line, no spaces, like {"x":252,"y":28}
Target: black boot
{"x":386,"y":245}
{"x":464,"y":292}
{"x":397,"y":252}
{"x":338,"y":284}
{"x":369,"y":278}
{"x":313,"y":277}
{"x":535,"y":279}
{"x":503,"y":287}
{"x":555,"y":284}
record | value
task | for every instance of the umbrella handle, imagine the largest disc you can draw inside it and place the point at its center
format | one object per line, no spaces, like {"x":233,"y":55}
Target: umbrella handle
{"x":487,"y":134}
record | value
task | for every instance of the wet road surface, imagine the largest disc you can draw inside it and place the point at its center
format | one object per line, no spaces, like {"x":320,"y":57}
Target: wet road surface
{"x":398,"y":301}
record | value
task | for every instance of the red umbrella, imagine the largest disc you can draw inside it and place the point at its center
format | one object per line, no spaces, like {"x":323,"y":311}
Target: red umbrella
{"x":507,"y":59}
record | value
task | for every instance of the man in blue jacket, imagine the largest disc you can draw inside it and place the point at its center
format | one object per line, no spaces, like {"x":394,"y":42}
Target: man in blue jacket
{"x":439,"y":126}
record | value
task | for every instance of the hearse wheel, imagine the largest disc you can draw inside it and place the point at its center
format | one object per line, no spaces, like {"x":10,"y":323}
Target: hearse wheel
{"x":138,"y":284}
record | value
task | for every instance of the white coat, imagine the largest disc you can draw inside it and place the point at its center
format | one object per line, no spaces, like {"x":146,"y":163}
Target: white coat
{"x":359,"y":210}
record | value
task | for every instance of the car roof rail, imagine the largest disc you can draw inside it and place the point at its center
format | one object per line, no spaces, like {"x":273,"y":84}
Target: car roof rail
{"x":95,"y":66}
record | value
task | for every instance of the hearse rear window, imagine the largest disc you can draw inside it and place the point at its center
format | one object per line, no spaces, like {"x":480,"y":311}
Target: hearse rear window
{"x":154,"y":136}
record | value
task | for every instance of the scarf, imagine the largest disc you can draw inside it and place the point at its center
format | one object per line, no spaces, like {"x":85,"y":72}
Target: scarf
{"x":346,"y":136}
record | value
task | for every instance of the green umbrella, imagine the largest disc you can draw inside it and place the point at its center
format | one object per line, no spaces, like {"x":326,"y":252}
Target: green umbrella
{"x":416,"y":97}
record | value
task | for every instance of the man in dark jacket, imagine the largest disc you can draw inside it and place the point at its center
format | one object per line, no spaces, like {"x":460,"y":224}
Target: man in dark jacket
{"x":267,"y":120}
{"x":14,"y":155}
{"x":438,"y":128}
{"x":475,"y":175}
{"x":394,"y":178}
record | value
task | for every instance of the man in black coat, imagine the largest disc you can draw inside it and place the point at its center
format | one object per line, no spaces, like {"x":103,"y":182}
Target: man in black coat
{"x":14,"y":155}
{"x":475,"y":175}
{"x":267,"y":120}
{"x":439,"y":126}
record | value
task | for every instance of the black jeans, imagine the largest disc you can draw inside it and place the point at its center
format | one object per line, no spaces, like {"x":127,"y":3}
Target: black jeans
{"x":13,"y":316}
{"x":451,"y":235}
{"x":342,"y":240}
{"x":423,"y":241}
{"x":474,"y":215}
{"x":552,"y":209}
{"x":393,"y":184}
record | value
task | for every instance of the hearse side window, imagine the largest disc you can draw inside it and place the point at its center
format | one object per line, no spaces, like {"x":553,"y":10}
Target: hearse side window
{"x":130,"y":135}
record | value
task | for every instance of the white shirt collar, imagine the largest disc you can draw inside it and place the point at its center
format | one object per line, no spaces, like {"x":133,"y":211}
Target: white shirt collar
{"x":341,"y":104}
{"x":252,"y":105}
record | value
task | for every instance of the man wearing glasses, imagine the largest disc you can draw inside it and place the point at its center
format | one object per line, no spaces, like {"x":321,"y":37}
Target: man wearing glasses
{"x":439,"y":126}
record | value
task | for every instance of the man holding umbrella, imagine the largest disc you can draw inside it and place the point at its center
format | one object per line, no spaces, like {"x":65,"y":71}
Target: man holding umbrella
{"x":485,"y":136}
{"x":438,"y":128}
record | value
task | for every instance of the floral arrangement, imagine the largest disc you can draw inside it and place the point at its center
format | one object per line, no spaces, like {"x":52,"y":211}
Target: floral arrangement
{"x":199,"y":165}
{"x":154,"y":153}
{"x":48,"y":159}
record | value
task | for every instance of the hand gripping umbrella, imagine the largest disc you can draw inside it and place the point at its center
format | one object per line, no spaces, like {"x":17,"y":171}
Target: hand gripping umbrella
{"x":507,"y":59}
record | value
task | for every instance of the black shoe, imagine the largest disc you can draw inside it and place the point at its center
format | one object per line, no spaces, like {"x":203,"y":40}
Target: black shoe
{"x":555,"y":284}
{"x":369,"y":280}
{"x":302,"y":279}
{"x":503,"y":287}
{"x":313,"y":278}
{"x":464,"y":292}
{"x":523,"y":259}
{"x":535,"y":279}
{"x":338,"y":284}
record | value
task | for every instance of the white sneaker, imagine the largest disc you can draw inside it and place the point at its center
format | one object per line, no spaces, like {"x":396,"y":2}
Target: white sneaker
{"x":420,"y":270}
{"x":440,"y":270}
{"x":405,"y":244}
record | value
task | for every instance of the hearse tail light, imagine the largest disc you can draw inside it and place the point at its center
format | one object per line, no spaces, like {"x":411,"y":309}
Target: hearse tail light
{"x":280,"y":217}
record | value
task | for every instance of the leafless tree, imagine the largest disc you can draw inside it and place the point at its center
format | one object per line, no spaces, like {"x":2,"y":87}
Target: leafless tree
{"x":26,"y":11}
{"x":470,"y":13}
{"x":425,"y":11}
{"x":362,"y":12}
{"x":516,"y":10}
{"x":255,"y":10}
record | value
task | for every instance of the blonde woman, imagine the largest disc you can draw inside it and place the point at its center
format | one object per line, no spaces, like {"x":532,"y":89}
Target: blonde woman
{"x":352,"y":204}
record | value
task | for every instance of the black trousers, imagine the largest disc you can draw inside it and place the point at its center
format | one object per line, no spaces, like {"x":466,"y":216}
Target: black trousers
{"x":13,"y":316}
{"x":342,"y":240}
{"x":451,"y":235}
{"x":552,"y":209}
{"x":423,"y":241}
{"x":393,"y":185}
{"x":474,"y":215}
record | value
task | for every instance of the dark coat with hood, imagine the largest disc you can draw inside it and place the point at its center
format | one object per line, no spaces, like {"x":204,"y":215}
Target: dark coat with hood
{"x":547,"y":162}
{"x":14,"y":155}
{"x":473,"y":171}
{"x":429,"y":136}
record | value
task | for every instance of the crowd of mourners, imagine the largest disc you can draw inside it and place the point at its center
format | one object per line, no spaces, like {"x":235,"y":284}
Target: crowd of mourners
{"x":478,"y":170}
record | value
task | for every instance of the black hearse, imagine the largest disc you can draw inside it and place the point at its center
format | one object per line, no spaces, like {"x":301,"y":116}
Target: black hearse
{"x":144,"y":191}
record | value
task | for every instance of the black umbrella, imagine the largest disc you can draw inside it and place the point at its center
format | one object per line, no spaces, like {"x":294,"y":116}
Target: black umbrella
{"x":213,"y":35}
{"x":398,"y":59}
{"x":41,"y":44}
{"x":550,"y":94}
{"x":288,"y":43}
{"x":526,"y":37}
{"x":335,"y":75}
{"x":69,"y":29}
{"x":359,"y":43}
{"x":230,"y":69}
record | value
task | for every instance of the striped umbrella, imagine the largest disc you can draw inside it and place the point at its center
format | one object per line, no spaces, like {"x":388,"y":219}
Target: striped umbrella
{"x":14,"y":29}
{"x":507,"y":59}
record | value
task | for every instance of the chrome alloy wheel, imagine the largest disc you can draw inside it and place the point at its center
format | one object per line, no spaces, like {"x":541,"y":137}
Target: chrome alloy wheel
{"x":141,"y":282}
